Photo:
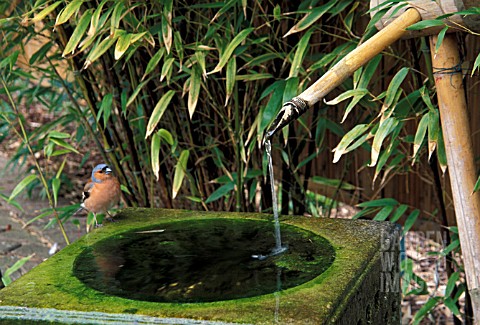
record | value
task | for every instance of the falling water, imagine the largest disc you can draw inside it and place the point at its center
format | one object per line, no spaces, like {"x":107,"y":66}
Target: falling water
{"x":278,"y":249}
{"x":278,"y":238}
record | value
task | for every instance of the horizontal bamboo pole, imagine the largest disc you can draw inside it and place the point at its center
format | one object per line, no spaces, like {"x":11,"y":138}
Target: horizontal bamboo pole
{"x":460,"y":158}
{"x":358,"y":57}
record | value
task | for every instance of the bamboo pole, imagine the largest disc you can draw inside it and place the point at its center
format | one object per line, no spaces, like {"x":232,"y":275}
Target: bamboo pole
{"x":461,"y":168}
{"x":343,"y":69}
{"x":358,"y":57}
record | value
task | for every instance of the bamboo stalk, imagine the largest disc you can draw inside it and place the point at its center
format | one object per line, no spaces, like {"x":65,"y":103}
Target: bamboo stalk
{"x":358,"y":57}
{"x":461,"y":167}
{"x":343,"y":69}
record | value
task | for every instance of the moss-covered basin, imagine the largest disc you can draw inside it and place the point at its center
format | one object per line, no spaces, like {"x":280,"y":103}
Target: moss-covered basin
{"x":358,"y":282}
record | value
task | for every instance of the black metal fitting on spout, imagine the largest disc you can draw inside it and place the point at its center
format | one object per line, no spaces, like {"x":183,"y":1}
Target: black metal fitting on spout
{"x":290,"y":111}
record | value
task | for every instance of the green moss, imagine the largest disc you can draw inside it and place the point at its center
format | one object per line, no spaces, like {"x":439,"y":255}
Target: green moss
{"x":52,"y":284}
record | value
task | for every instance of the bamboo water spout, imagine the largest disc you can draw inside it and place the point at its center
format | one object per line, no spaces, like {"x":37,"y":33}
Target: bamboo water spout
{"x":391,"y":28}
{"x":292,"y":109}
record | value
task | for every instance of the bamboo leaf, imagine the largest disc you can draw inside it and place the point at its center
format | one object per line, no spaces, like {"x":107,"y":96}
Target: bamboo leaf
{"x":332,"y":182}
{"x":137,"y":36}
{"x":399,"y":213}
{"x":426,"y":24}
{"x":155,"y":154}
{"x":433,"y":131}
{"x":311,"y":18}
{"x":200,"y":56}
{"x":378,"y":203}
{"x":40,"y":54}
{"x":180,"y":170}
{"x":122,"y":45}
{"x":226,"y":7}
{"x":385,"y":128}
{"x":420,"y":134}
{"x":274,"y":104}
{"x":299,"y":54}
{"x":440,"y":38}
{"x":167,"y":24}
{"x":453,"y":278}
{"x":177,"y":41}
{"x":259,"y":60}
{"x":78,"y":33}
{"x":394,"y":86}
{"x":347,"y":139}
{"x":454,"y":245}
{"x":426,"y":309}
{"x":95,"y":22}
{"x":99,"y":50}
{"x":153,"y":63}
{"x":230,"y":48}
{"x":477,"y":185}
{"x":55,"y":189}
{"x":6,"y":279}
{"x":166,"y":135}
{"x":158,"y":111}
{"x":346,"y":95}
{"x":476,"y":64}
{"x":62,"y":143}
{"x":105,"y":109}
{"x":369,"y":71}
{"x":68,"y":11}
{"x":195,"y":83}
{"x":383,"y":214}
{"x":452,"y":305}
{"x":277,"y":12}
{"x":253,"y":77}
{"x":441,"y":155}
{"x":167,"y":68}
{"x":136,"y":92}
{"x":291,"y":89}
{"x":220,"y":192}
{"x":357,"y":95}
{"x":231,"y":78}
{"x":118,"y":10}
{"x":45,"y":12}
{"x":21,"y":186}
{"x":11,"y":202}
{"x":410,"y":221}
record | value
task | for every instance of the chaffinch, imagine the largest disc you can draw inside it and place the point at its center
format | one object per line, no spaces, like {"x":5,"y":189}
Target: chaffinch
{"x":102,"y":192}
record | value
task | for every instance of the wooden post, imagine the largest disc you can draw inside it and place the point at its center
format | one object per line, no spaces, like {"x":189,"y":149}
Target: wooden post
{"x":461,"y":168}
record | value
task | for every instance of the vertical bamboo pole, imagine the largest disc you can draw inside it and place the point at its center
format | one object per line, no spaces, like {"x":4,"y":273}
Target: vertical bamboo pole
{"x":460,"y":158}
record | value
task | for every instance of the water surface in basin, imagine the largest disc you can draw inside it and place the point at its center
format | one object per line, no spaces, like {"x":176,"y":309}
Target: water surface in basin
{"x":202,"y":261}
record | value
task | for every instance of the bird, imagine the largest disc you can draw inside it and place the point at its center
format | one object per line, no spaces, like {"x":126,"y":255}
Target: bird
{"x":102,"y":192}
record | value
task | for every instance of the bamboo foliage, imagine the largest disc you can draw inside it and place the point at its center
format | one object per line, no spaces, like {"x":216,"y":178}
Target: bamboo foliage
{"x":210,"y":78}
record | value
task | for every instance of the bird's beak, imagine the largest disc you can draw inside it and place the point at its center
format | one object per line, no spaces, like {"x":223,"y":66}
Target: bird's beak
{"x":108,"y":170}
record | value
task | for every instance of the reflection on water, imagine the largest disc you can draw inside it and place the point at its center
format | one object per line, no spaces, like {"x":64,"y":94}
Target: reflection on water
{"x":202,"y":261}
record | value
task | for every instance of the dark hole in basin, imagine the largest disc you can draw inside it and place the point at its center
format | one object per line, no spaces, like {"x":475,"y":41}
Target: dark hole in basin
{"x":202,"y":261}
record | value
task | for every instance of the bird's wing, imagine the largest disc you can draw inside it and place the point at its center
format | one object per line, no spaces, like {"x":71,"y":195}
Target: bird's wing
{"x":87,"y":189}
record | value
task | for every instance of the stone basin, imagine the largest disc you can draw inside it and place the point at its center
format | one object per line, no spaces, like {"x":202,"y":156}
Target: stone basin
{"x":335,"y":271}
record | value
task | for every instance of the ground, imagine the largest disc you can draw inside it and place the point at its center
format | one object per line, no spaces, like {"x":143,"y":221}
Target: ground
{"x":18,"y":240}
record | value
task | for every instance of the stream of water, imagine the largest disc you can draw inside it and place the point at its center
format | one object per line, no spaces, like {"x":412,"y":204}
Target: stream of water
{"x":279,"y":248}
